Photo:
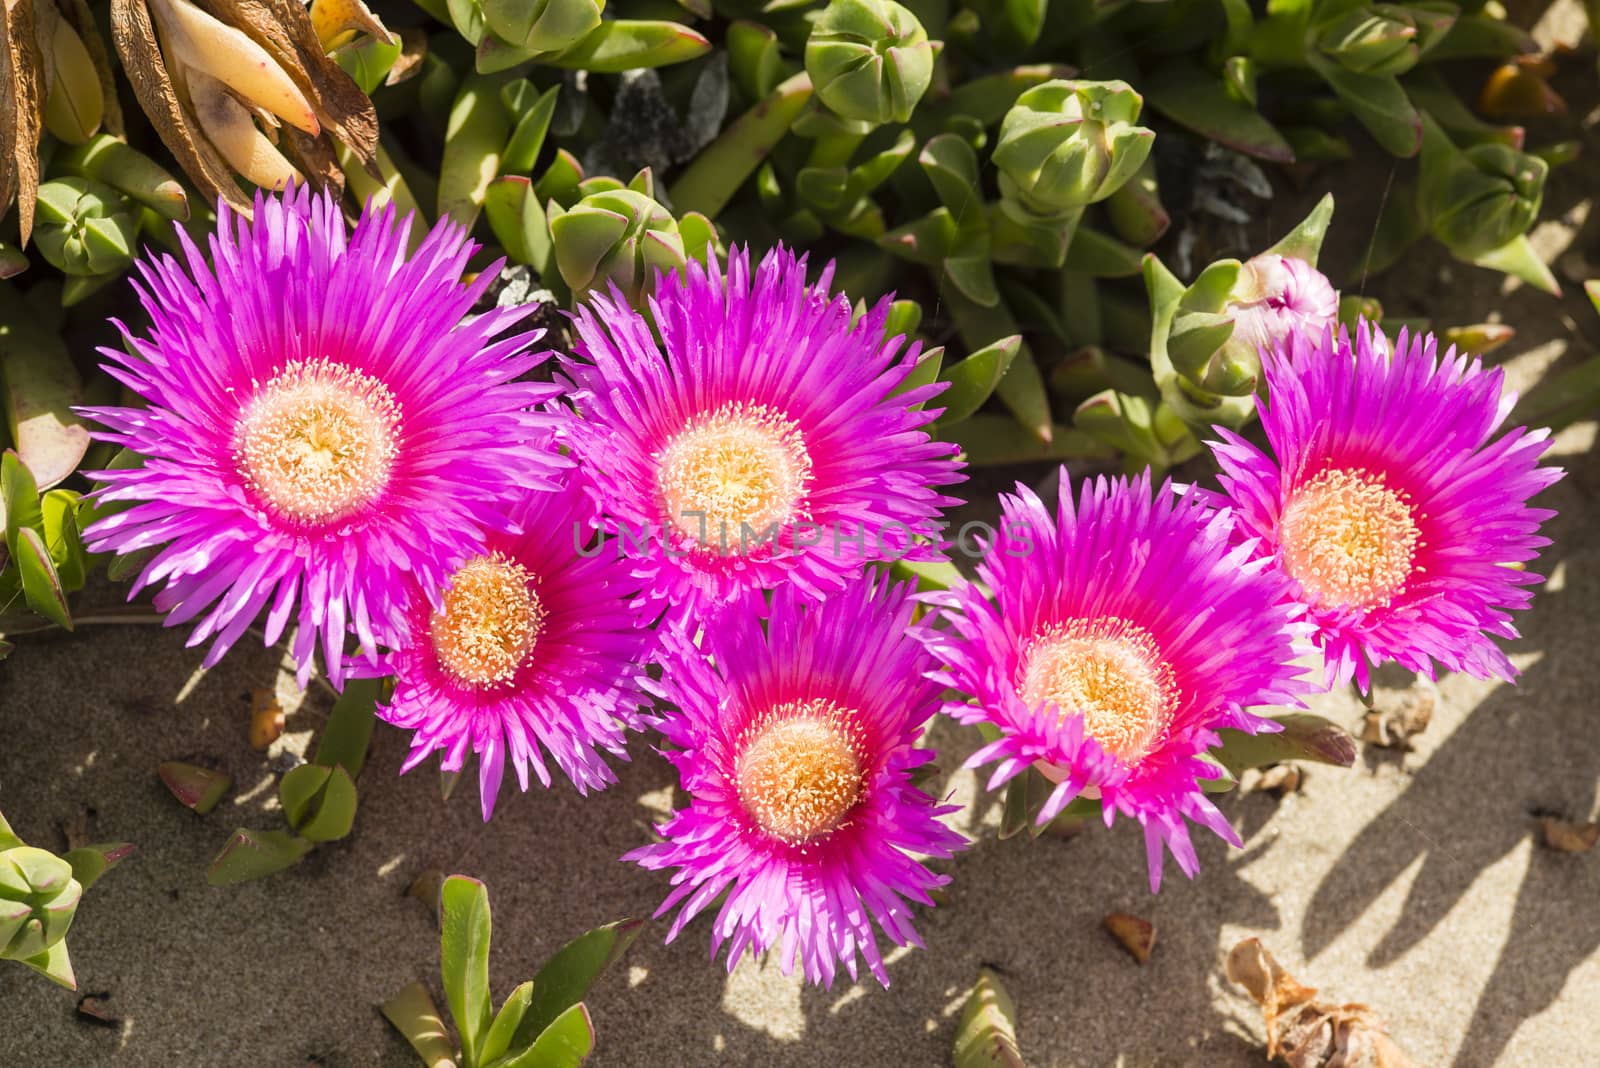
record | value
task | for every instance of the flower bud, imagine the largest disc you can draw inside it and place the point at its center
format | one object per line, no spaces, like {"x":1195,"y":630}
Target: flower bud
{"x":84,"y":227}
{"x":869,"y":60}
{"x":1235,"y":311}
{"x":620,"y":236}
{"x":38,"y":899}
{"x":1378,"y":39}
{"x":1276,"y":295}
{"x":1067,"y":144}
{"x":1478,"y":199}
{"x":542,"y":25}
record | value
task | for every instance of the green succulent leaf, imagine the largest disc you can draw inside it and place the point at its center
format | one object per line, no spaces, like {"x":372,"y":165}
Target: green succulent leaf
{"x":532,"y":112}
{"x":974,"y":379}
{"x":565,"y":979}
{"x":41,"y":584}
{"x":19,"y":494}
{"x":196,"y":787}
{"x":755,"y":59}
{"x":1192,"y":98}
{"x":1304,"y":737}
{"x":71,"y":559}
{"x":1519,"y":259}
{"x":869,"y":60}
{"x":498,"y":1039}
{"x":334,"y":809}
{"x":464,"y":959}
{"x":474,"y":141}
{"x":628,"y":44}
{"x":565,"y":1043}
{"x":254,"y":854}
{"x":1304,"y":242}
{"x":542,"y":25}
{"x":54,"y":964}
{"x":710,"y":180}
{"x":348,"y":732}
{"x":1378,"y":102}
{"x":39,"y":385}
{"x":986,"y":1036}
{"x":414,"y":1014}
{"x":90,"y":862}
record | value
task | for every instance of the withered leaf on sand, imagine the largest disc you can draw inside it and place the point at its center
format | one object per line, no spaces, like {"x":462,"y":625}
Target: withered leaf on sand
{"x":1303,"y":1031}
{"x":1567,"y":836}
{"x":1137,"y":936}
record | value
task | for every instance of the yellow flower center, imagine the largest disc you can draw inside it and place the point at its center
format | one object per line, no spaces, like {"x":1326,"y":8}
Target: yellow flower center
{"x":318,"y":440}
{"x":1111,"y":672}
{"x":739,"y":465}
{"x":800,"y":774}
{"x":1348,"y":539}
{"x":489,"y":623}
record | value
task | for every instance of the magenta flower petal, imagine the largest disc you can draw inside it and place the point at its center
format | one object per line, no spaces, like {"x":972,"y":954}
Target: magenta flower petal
{"x":1399,"y":519}
{"x":766,"y":413}
{"x":324,"y":424}
{"x":534,"y":647}
{"x":796,"y":744}
{"x":1124,"y":631}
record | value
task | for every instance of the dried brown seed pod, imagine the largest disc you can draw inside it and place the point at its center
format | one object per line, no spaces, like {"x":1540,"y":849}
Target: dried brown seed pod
{"x":222,"y":79}
{"x":1303,"y":1031}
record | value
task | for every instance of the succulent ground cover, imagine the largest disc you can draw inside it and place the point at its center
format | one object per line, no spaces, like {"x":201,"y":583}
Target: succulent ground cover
{"x":831,"y":268}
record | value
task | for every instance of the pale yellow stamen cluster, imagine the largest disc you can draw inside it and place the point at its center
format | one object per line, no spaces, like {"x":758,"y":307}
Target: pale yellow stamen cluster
{"x":490,"y":621}
{"x":1110,"y":671}
{"x":318,"y":440}
{"x":740,"y":464}
{"x":799,"y":772}
{"x":1349,"y":540}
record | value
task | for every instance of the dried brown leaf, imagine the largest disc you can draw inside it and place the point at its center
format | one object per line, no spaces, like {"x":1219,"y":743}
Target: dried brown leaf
{"x":134,"y":34}
{"x":413,"y":50}
{"x":1137,"y":936}
{"x":1304,"y":1032}
{"x":1569,"y":837}
{"x":92,"y":1008}
{"x":316,"y":159}
{"x":21,"y":112}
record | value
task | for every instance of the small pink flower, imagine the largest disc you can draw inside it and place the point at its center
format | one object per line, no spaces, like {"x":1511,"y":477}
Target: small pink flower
{"x":1277,"y":294}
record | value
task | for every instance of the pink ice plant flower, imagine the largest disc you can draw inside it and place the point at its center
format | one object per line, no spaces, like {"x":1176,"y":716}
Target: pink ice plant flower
{"x":796,"y":742}
{"x":762,"y":440}
{"x":535,"y":646}
{"x":324,"y":424}
{"x":1122,"y":633}
{"x":1398,"y":517}
{"x":1276,"y":295}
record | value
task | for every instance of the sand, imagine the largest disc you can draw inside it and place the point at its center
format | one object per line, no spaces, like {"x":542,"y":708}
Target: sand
{"x":1412,"y":882}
